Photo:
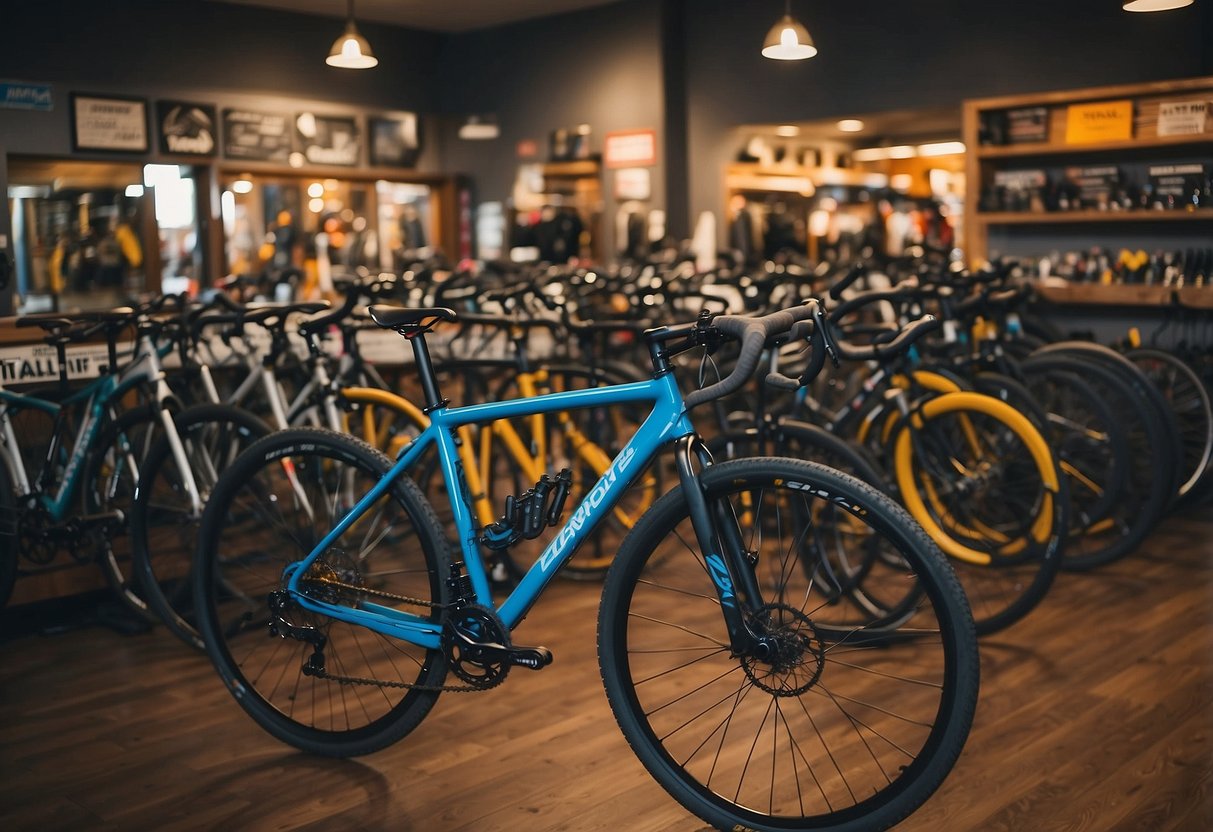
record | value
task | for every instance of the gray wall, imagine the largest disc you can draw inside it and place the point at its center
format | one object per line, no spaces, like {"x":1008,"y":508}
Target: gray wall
{"x":690,"y":69}
{"x":885,"y":55}
{"x":187,"y":44}
{"x":226,"y":54}
{"x":601,"y":67}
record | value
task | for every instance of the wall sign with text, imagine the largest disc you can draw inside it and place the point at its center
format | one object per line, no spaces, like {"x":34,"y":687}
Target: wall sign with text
{"x":20,"y":95}
{"x":1182,"y":118}
{"x":1099,"y":121}
{"x":256,"y":136}
{"x":186,"y":128}
{"x":109,"y":123}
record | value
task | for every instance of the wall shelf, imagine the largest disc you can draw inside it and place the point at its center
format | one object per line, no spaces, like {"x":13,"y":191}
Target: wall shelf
{"x":1064,"y":217}
{"x":1196,"y":142}
{"x":1056,"y":290}
{"x":1113,"y":294}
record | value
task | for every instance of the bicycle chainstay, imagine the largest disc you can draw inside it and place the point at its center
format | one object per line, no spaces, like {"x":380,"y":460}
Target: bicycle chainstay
{"x":315,"y":664}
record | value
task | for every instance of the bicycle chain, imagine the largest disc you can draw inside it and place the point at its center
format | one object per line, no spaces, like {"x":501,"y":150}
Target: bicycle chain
{"x":383,"y":683}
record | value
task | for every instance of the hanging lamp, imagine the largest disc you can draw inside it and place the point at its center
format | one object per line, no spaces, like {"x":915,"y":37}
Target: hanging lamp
{"x":1153,"y":5}
{"x":351,"y":50}
{"x":788,"y":39}
{"x":479,"y":128}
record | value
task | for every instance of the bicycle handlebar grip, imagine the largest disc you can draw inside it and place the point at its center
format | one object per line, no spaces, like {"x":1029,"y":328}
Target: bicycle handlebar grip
{"x":781,"y":382}
{"x":753,"y":334}
{"x":916,"y":329}
{"x":857,"y":271}
{"x":900,"y":293}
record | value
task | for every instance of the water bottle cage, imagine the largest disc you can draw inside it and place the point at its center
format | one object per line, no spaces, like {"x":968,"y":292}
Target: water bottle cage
{"x":527,"y":516}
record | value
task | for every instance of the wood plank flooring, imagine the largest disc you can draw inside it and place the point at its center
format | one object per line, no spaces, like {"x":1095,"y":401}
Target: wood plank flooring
{"x":1096,"y":714}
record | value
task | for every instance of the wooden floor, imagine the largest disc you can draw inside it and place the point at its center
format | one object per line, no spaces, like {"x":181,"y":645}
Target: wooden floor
{"x":1096,"y":714}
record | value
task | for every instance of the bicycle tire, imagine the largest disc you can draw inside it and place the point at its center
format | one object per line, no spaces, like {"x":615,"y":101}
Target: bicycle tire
{"x":1092,"y":445}
{"x":255,"y":525}
{"x":1189,"y":400}
{"x":659,"y":583}
{"x":1167,"y":449}
{"x":1147,"y":488}
{"x":164,"y":528}
{"x":1006,"y":550}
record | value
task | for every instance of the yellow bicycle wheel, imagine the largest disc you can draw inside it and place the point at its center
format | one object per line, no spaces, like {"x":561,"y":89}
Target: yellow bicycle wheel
{"x":984,"y":484}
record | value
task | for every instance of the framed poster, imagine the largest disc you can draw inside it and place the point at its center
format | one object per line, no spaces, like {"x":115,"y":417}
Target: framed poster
{"x":110,"y":122}
{"x":328,"y":140}
{"x":187,"y":128}
{"x":256,"y":136}
{"x":395,"y":141}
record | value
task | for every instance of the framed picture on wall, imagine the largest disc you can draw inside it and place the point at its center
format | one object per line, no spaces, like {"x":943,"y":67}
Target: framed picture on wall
{"x":395,"y":140}
{"x":256,"y":136}
{"x":109,"y":122}
{"x":187,"y":128}
{"x":328,"y":140}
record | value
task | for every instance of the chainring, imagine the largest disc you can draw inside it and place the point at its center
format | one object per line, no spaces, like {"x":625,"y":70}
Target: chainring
{"x":476,"y":624}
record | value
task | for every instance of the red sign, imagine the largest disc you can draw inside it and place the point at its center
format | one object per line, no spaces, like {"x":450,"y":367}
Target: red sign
{"x":630,"y":148}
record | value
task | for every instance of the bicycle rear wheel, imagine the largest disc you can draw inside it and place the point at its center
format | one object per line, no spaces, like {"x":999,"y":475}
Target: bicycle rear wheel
{"x":855,"y":722}
{"x":267,"y":512}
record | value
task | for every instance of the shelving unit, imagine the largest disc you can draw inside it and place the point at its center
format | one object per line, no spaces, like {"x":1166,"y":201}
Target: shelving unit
{"x":1145,"y":145}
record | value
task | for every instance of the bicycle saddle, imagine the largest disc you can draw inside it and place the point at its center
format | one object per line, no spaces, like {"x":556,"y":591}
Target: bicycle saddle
{"x":399,"y":317}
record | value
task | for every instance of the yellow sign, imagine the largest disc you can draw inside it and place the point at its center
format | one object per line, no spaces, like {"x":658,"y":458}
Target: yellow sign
{"x":1102,"y":121}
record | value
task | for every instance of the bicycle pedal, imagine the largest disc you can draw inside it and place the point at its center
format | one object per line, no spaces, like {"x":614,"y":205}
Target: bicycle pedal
{"x":533,"y":658}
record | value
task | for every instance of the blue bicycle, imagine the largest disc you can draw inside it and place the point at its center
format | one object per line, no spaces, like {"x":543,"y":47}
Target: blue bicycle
{"x":742,"y":675}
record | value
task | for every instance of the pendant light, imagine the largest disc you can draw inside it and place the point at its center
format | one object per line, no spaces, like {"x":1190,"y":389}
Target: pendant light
{"x":1153,"y":5}
{"x":788,"y":39}
{"x":351,"y":51}
{"x":479,"y":128}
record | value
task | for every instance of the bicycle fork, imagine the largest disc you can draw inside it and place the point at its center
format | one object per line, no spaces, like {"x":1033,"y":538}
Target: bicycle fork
{"x":730,"y":565}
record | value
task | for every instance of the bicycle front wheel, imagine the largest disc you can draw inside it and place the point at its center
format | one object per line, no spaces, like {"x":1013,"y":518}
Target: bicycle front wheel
{"x":267,"y":512}
{"x":164,"y":521}
{"x":852,"y":722}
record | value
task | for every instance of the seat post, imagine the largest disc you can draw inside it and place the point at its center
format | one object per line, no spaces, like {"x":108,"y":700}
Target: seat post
{"x":425,"y":368}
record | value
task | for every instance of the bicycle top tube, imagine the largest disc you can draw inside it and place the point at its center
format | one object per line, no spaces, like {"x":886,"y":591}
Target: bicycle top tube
{"x":667,"y":420}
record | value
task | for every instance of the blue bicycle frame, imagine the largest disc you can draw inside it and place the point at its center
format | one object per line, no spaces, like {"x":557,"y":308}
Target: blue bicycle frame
{"x":667,"y":421}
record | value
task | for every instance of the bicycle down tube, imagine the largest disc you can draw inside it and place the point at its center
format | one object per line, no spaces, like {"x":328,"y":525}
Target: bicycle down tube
{"x":666,"y":421}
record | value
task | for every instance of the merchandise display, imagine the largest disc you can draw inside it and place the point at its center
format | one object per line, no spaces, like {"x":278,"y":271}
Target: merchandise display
{"x":573,"y":419}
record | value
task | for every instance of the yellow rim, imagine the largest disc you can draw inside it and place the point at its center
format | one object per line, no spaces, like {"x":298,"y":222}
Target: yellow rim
{"x":913,"y":498}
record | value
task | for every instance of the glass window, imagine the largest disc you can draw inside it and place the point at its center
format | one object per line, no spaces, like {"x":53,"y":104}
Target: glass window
{"x":99,"y":234}
{"x":295,"y":233}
